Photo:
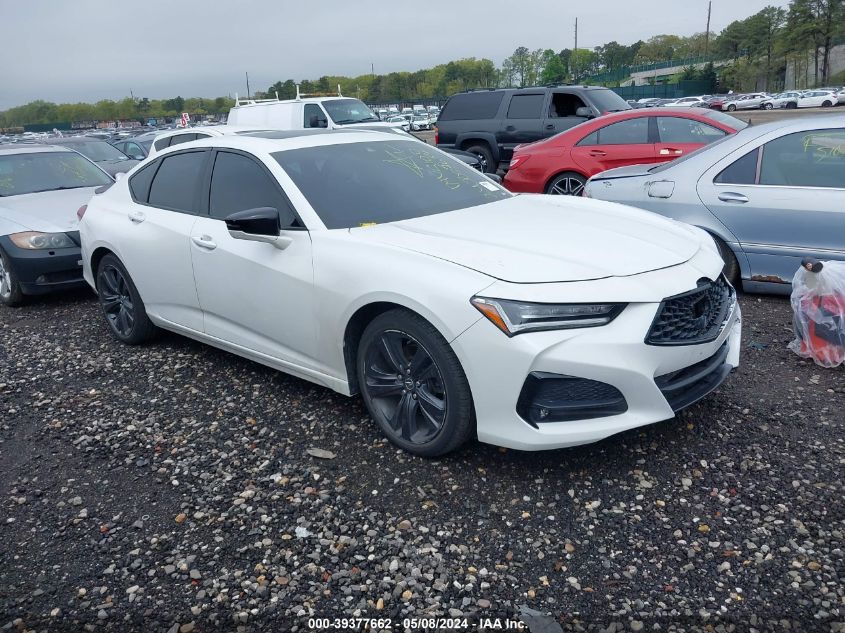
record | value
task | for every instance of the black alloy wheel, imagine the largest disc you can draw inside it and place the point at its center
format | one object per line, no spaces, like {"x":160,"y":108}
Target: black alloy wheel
{"x":413,"y":384}
{"x":122,"y":305}
{"x":569,"y":184}
{"x":406,"y":387}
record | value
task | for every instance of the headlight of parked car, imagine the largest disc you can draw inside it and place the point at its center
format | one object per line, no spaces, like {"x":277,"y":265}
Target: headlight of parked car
{"x":33,"y":240}
{"x":516,"y":317}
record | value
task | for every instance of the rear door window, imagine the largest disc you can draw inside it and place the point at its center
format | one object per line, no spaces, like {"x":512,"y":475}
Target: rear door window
{"x":526,"y":106}
{"x":805,"y":159}
{"x":176,"y":183}
{"x":741,"y":172}
{"x":139,"y":183}
{"x":682,"y":131}
{"x":630,"y":132}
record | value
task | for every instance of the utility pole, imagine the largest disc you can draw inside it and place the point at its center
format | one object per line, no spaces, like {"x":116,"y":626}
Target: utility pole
{"x":575,"y":54}
{"x":373,"y":71}
{"x":248,"y":93}
{"x":707,"y":32}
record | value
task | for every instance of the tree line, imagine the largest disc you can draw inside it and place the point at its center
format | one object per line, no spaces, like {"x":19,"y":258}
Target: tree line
{"x":761,"y":45}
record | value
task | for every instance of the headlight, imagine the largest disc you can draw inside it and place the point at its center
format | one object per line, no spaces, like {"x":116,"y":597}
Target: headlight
{"x":515,"y":317}
{"x":33,"y":240}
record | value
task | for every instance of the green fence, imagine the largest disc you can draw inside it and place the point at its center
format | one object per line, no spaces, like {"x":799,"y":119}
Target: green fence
{"x":623,"y":72}
{"x":664,"y":91}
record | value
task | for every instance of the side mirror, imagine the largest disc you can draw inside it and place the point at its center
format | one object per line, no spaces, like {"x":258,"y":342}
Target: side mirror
{"x":257,"y":225}
{"x":316,"y":121}
{"x":119,"y":175}
{"x":495,"y":178}
{"x":586,"y":112}
{"x":137,"y":156}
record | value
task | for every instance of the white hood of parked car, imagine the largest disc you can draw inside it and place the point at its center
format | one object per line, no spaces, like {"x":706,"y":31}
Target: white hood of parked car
{"x":544,"y":239}
{"x":46,"y":211}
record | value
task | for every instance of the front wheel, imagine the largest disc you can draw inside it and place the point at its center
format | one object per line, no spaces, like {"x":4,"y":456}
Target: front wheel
{"x":768,"y":106}
{"x":122,"y":305}
{"x":10,"y":289}
{"x":413,"y":384}
{"x":567,"y":184}
{"x":731,"y":108}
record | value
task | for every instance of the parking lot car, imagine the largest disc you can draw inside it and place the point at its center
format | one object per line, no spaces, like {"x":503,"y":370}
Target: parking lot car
{"x":108,"y":157}
{"x":134,"y":148}
{"x":563,"y":320}
{"x":771,"y":194}
{"x":420,"y":122}
{"x":752,"y":101}
{"x":177,"y":136}
{"x":41,"y":189}
{"x":817,"y":99}
{"x":562,"y":164}
{"x":490,"y":123}
{"x":786,"y":100}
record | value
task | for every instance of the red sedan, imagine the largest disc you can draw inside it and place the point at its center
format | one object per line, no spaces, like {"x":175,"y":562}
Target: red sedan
{"x":562,"y":164}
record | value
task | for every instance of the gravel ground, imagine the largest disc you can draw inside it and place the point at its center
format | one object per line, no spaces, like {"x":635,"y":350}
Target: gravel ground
{"x":173,"y":487}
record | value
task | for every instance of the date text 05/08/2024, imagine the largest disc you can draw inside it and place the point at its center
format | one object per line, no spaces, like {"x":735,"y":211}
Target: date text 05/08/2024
{"x":416,"y":624}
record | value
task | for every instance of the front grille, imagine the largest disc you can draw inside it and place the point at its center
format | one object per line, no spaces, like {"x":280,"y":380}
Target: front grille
{"x":549,"y":397}
{"x":693,"y":317}
{"x":688,"y":385}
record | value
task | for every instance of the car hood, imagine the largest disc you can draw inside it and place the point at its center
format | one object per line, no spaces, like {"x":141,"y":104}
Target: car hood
{"x":544,"y":239}
{"x":47,"y":211}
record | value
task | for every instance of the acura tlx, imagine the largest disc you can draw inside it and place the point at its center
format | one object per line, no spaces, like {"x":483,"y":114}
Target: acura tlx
{"x":378,"y":265}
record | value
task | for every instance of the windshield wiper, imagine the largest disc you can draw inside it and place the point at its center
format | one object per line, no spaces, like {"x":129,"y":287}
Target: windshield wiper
{"x":59,"y":188}
{"x":348,"y":121}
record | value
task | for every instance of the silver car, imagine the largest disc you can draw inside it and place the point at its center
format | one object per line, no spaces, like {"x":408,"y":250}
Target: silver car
{"x":752,"y":101}
{"x":770,"y":195}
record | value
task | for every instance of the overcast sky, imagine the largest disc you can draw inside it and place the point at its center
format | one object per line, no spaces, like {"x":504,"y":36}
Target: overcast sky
{"x":88,"y":50}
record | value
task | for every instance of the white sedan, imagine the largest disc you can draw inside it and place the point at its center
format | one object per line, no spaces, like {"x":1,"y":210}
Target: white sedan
{"x":378,"y":265}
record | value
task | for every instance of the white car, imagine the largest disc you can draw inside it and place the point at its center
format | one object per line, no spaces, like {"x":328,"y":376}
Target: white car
{"x":420,"y":122}
{"x":817,"y":99}
{"x":177,"y":136}
{"x":685,"y":102}
{"x":453,"y":306}
{"x":41,"y":189}
{"x":784,"y":100}
{"x":400,"y":121}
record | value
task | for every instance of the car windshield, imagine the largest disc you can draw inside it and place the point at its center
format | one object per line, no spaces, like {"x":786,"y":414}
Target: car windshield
{"x":376,"y":182}
{"x":97,"y":151}
{"x":346,"y":111}
{"x":31,"y":172}
{"x":608,"y":101}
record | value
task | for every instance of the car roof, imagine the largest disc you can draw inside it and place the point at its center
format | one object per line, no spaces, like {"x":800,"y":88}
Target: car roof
{"x":269,"y":141}
{"x":78,"y":139}
{"x":18,"y":148}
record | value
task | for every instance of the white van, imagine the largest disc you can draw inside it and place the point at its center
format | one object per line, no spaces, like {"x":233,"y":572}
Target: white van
{"x":303,"y":113}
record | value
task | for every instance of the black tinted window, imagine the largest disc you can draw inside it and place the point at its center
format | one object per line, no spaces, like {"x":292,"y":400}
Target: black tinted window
{"x":740,"y":172}
{"x":239,"y":183}
{"x":161,"y":143}
{"x":592,"y":139}
{"x":526,"y":106}
{"x":182,"y":138}
{"x":805,"y":159}
{"x":139,"y":184}
{"x":472,"y":105}
{"x":359,"y":184}
{"x":175,"y":183}
{"x":630,"y":132}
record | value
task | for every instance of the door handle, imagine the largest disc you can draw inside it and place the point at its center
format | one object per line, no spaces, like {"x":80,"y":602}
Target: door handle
{"x":510,"y":128}
{"x":729,"y":196}
{"x":204,"y":241}
{"x":597,"y":152}
{"x":137,"y":217}
{"x":671,"y":150}
{"x":550,"y":126}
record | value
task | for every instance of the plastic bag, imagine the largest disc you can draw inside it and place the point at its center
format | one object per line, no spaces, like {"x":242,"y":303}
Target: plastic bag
{"x":818,"y":304}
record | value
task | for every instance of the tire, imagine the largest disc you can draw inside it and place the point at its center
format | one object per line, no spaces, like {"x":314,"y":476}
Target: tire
{"x":792,"y":105}
{"x":484,"y":155}
{"x":429,"y":412}
{"x":566,"y":184}
{"x":122,"y":305}
{"x":731,"y":267}
{"x":731,"y":108}
{"x":10,"y":289}
{"x":827,"y":104}
{"x":768,"y":106}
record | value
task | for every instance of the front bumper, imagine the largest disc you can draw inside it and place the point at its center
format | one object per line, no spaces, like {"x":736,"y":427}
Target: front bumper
{"x":655,"y":381}
{"x":43,"y":271}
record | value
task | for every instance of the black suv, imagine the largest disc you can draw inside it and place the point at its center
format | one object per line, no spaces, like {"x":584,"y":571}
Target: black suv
{"x":490,"y":123}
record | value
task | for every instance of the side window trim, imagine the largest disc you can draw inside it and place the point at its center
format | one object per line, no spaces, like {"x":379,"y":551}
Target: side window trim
{"x":206,"y":191}
{"x":197,"y":193}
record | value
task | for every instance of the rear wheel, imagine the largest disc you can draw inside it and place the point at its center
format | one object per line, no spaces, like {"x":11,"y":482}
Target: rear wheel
{"x":122,"y":305}
{"x":566,"y":184}
{"x":485,"y":157}
{"x":413,"y":384}
{"x":731,"y":268}
{"x":10,"y":290}
{"x":827,"y":104}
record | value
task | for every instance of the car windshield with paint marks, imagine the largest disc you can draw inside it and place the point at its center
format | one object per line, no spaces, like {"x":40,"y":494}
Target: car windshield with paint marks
{"x":47,"y":171}
{"x":360,"y":184}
